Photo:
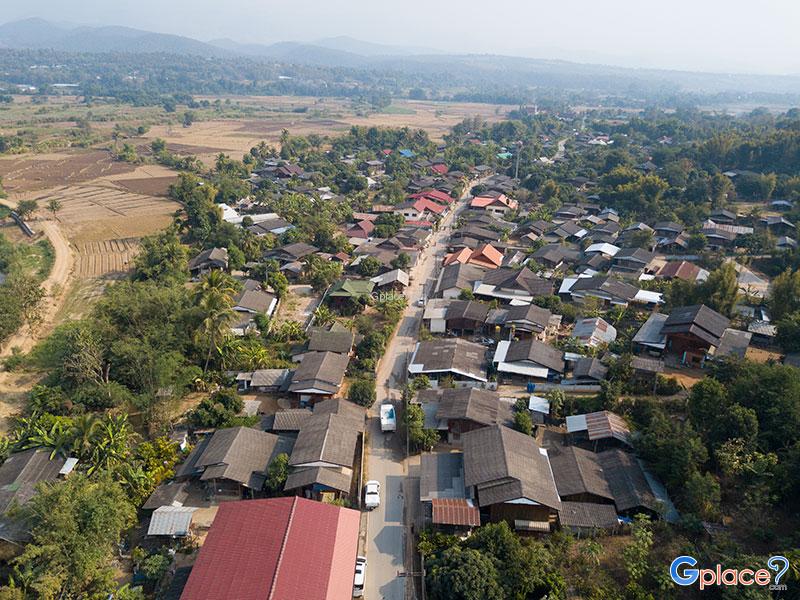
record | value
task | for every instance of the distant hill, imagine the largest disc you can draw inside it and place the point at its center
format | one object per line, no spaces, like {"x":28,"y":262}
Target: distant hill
{"x":344,"y":43}
{"x":295,"y":52}
{"x":41,"y":34}
{"x":483,"y":72}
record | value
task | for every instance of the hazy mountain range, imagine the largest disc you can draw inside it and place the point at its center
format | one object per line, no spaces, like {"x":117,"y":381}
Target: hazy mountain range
{"x":353,"y":53}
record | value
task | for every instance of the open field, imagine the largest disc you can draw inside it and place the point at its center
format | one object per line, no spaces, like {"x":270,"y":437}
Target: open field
{"x":31,"y":172}
{"x":263,"y":118}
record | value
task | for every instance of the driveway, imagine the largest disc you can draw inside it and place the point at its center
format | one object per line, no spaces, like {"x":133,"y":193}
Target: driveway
{"x":388,"y":524}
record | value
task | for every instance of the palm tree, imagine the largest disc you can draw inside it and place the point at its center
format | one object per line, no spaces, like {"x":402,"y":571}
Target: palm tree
{"x":216,"y":281}
{"x":215,"y":327}
{"x":85,"y":429}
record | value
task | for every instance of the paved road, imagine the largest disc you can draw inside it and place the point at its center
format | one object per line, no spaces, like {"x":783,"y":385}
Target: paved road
{"x":386,"y":537}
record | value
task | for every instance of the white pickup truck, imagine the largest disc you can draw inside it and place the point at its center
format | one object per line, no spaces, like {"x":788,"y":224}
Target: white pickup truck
{"x":388,"y":418}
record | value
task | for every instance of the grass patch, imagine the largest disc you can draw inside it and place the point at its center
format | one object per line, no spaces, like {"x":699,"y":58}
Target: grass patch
{"x":397,"y":110}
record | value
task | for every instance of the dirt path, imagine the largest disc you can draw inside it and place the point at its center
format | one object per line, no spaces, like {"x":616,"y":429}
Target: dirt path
{"x":55,"y":287}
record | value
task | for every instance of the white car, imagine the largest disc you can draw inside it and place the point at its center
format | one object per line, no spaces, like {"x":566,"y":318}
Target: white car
{"x":372,"y":494}
{"x":361,"y":575}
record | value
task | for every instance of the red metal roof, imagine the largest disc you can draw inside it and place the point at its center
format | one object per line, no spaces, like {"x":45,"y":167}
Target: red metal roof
{"x":275,"y":549}
{"x":455,"y":511}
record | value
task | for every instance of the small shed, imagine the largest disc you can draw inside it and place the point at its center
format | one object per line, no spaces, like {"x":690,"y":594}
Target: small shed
{"x":171,"y":521}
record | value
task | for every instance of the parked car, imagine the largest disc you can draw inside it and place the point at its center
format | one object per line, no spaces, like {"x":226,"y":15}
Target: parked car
{"x":372,"y":494}
{"x":360,"y":578}
{"x":388,"y":418}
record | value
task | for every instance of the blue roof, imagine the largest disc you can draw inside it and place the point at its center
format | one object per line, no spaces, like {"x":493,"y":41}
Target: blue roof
{"x":407,"y":153}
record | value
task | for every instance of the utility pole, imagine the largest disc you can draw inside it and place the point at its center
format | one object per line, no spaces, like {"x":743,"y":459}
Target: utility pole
{"x":516,"y":168}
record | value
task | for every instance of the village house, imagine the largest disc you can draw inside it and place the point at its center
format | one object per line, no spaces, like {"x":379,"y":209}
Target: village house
{"x":692,"y":330}
{"x":588,"y":371}
{"x":524,"y":320}
{"x":496,"y":203}
{"x":598,"y":430}
{"x":509,"y":476}
{"x":507,"y":284}
{"x":209,"y":260}
{"x":323,"y":457}
{"x":318,"y":377}
{"x":347,"y":291}
{"x":462,"y":361}
{"x":593,"y":332}
{"x":455,"y":278}
{"x":485,"y":255}
{"x":20,"y":474}
{"x":443,"y":493}
{"x":395,"y":280}
{"x":233,"y":462}
{"x":528,"y":360}
{"x":249,"y":303}
{"x":464,"y":409}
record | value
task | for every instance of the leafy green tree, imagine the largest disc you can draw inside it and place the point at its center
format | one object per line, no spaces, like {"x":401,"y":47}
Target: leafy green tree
{"x":155,"y":566}
{"x":362,"y":392}
{"x":217,"y":410}
{"x":784,"y":295}
{"x":401,"y":261}
{"x":788,"y":337}
{"x":75,"y":528}
{"x":54,"y":206}
{"x":702,"y":495}
{"x":523,"y":422}
{"x":320,"y":273}
{"x":279,"y":284}
{"x":25,"y":208}
{"x":463,"y":575}
{"x":419,"y":437}
{"x":162,"y":257}
{"x":277,"y":473}
{"x":369,"y":267}
{"x":721,"y":290}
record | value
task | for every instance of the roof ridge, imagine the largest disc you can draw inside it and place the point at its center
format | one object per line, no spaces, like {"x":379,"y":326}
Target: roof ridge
{"x":283,"y":548}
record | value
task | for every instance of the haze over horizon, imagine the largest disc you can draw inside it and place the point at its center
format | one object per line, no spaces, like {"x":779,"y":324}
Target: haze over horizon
{"x":714,"y":35}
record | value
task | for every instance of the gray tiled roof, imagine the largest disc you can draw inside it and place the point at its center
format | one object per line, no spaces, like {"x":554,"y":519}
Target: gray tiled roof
{"x":588,"y":515}
{"x":240,"y":454}
{"x":506,"y":465}
{"x":338,"y":479}
{"x":329,"y":438}
{"x":627,"y":481}
{"x":20,"y":473}
{"x":451,"y":354}
{"x":322,"y":340}
{"x":167,"y":494}
{"x":578,"y":471}
{"x":320,"y":370}
{"x":472,"y":404}
{"x":291,"y":419}
{"x":705,"y":323}
{"x":537,"y":352}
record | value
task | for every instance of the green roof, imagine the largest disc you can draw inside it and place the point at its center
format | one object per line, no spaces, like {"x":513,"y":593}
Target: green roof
{"x":352,"y":288}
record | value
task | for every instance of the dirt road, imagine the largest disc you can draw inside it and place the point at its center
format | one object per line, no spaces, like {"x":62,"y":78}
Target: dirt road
{"x":55,"y":287}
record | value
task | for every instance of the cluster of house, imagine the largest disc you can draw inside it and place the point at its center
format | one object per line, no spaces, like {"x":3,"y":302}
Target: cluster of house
{"x":584,"y":479}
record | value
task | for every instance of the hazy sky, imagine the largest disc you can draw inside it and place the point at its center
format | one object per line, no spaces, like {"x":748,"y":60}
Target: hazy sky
{"x":718,"y":35}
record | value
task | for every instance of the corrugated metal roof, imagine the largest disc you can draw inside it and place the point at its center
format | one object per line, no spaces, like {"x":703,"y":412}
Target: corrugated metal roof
{"x":171,"y":521}
{"x":455,"y":511}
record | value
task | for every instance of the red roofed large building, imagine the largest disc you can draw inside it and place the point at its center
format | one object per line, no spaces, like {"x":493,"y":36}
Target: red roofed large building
{"x":486,"y":256}
{"x":278,"y":548}
{"x":435,"y":195}
{"x":497,"y":204}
